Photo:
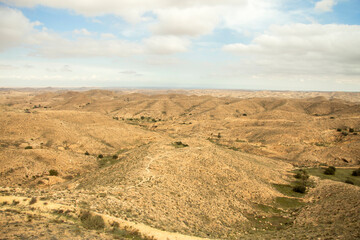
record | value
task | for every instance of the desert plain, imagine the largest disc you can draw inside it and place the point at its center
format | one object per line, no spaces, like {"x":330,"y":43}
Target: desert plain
{"x":178,"y":164}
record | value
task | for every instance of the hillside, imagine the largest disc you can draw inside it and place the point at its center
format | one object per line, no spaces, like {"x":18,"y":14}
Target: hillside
{"x":197,"y":165}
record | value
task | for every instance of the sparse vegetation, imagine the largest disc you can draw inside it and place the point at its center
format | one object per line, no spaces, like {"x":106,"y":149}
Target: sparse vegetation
{"x":106,"y":161}
{"x":28,"y":147}
{"x":342,"y":174}
{"x":246,"y":154}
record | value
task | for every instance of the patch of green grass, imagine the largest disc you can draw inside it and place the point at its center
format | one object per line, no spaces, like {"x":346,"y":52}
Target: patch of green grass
{"x":107,"y":161}
{"x":287,"y":190}
{"x":288,"y":203}
{"x":179,"y":145}
{"x":260,"y":224}
{"x":268,"y":209}
{"x":235,"y":148}
{"x":341,"y":175}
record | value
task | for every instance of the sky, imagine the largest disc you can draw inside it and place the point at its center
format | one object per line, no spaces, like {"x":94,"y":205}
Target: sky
{"x":304,"y":45}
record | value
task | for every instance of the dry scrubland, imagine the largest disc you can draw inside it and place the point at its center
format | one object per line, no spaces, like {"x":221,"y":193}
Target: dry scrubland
{"x":195,"y":164}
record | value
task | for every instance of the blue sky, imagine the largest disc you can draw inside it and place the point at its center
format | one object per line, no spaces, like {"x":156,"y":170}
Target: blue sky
{"x":232,"y":44}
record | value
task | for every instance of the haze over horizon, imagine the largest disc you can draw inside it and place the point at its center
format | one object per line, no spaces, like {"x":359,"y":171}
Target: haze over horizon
{"x":230,"y":44}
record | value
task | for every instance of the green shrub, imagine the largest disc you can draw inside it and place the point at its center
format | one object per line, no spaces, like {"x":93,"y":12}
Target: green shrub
{"x":53,"y":172}
{"x":87,"y":153}
{"x":115,"y":156}
{"x":330,"y":170}
{"x":338,"y":129}
{"x":33,"y":200}
{"x":180,"y":144}
{"x":100,"y":156}
{"x":90,"y":221}
{"x":299,"y":189}
{"x":356,"y":172}
{"x":302,"y":174}
{"x":28,"y":147}
{"x":351,"y":130}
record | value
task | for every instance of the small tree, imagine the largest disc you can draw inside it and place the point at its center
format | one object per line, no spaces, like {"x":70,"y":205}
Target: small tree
{"x":356,"y":172}
{"x":349,"y":182}
{"x":100,"y":156}
{"x":330,"y":170}
{"x":53,"y":172}
{"x":299,"y":189}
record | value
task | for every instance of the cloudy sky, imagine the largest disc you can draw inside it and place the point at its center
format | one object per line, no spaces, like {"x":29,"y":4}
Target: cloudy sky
{"x":231,"y":44}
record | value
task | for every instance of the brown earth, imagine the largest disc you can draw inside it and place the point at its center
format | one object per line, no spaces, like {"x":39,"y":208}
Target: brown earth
{"x":222,"y":185}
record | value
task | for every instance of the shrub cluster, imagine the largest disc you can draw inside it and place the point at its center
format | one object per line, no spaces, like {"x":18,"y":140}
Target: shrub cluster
{"x":302,"y":184}
{"x":90,"y":221}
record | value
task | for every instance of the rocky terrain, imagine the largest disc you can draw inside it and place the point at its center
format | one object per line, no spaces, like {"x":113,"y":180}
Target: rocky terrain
{"x":191,"y":164}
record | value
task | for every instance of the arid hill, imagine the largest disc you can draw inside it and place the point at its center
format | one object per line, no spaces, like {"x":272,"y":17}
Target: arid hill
{"x":219,"y":165}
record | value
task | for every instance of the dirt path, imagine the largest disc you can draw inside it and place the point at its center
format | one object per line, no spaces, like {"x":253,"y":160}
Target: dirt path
{"x":145,"y":178}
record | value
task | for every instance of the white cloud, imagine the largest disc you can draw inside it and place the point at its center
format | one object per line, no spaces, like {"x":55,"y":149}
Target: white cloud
{"x":191,"y":21}
{"x":303,"y":49}
{"x":108,"y":35}
{"x":7,"y":67}
{"x":82,"y":31}
{"x":325,"y":5}
{"x":17,"y":30}
{"x":87,"y":47}
{"x":164,"y":45}
{"x":195,"y":17}
{"x":14,"y":27}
